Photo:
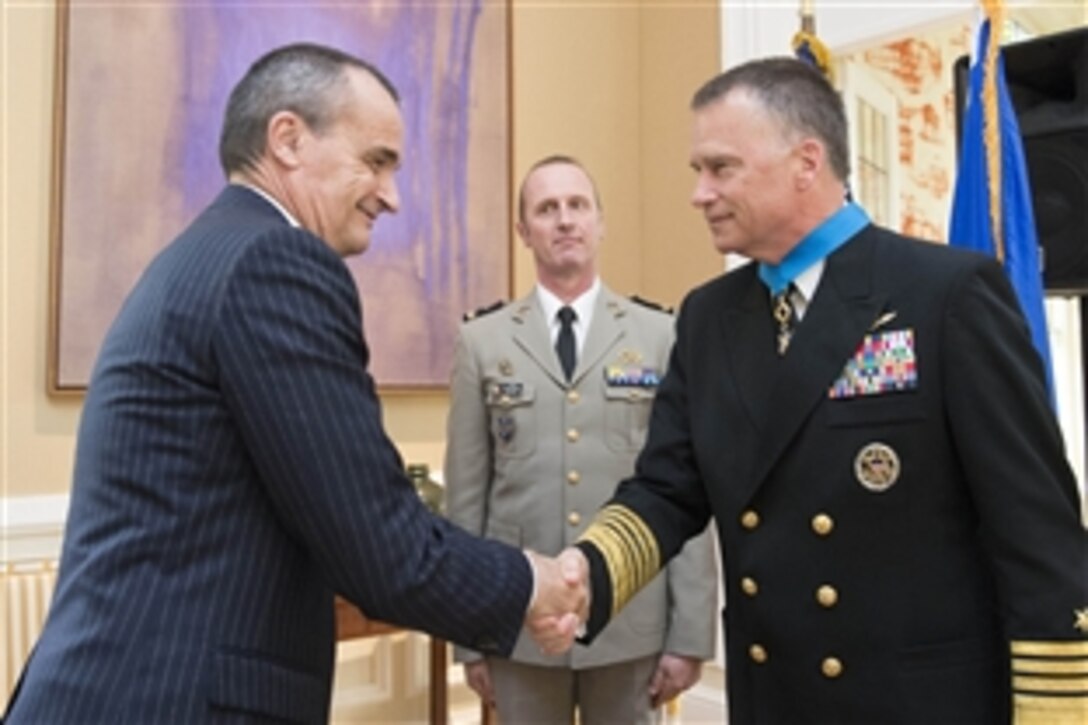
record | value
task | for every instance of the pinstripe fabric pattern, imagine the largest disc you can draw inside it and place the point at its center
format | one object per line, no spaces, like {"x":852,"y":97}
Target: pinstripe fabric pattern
{"x":231,"y":474}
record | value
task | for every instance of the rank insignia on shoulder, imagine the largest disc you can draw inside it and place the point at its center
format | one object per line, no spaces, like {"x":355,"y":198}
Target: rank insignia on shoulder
{"x":652,"y":305}
{"x":631,"y":376}
{"x":884,"y":362}
{"x":481,"y":311}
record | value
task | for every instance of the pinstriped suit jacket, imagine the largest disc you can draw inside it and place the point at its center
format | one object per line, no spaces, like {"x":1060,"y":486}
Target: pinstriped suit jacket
{"x":231,"y":474}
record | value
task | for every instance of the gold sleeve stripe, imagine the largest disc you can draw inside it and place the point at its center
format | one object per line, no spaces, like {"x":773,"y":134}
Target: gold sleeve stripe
{"x":1033,"y":710}
{"x":1024,"y":666}
{"x":628,"y":548}
{"x":1068,"y":685}
{"x":639,"y":546}
{"x":1074,"y":648}
{"x":633,"y":529}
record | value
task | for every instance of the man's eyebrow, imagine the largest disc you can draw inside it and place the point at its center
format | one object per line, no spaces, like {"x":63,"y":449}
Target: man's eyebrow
{"x":384,"y":156}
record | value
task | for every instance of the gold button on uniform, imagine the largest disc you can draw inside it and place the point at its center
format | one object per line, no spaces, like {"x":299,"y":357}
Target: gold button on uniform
{"x":831,"y":667}
{"x":757,"y":653}
{"x":572,"y":435}
{"x":573,"y":477}
{"x":572,"y":396}
{"x":749,"y":586}
{"x":822,"y":524}
{"x":827,"y":596}
{"x":749,"y":519}
{"x":574,"y":518}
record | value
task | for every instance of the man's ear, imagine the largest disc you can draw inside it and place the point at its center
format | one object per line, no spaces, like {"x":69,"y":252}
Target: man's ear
{"x":812,"y":158}
{"x":523,"y":232}
{"x":286,"y":134}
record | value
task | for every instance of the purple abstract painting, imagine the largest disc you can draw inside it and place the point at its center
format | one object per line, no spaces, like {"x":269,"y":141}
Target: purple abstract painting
{"x":144,"y":86}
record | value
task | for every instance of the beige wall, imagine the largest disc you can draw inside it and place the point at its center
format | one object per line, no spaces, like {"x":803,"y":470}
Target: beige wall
{"x":608,"y":82}
{"x":37,"y":442}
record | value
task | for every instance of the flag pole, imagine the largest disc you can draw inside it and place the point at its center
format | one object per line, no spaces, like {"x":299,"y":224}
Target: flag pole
{"x":995,"y":13}
{"x":806,"y":45}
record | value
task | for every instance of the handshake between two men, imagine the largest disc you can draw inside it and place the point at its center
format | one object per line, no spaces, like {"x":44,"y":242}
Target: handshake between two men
{"x":560,"y":604}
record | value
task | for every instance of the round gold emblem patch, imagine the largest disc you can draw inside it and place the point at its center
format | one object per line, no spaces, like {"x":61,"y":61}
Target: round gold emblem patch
{"x":877,"y":467}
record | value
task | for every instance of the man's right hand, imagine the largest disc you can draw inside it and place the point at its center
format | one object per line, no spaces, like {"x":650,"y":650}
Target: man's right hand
{"x":478,"y":677}
{"x":561,"y":604}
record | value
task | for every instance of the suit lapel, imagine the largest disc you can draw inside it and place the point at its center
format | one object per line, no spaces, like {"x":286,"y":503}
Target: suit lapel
{"x":844,"y":307}
{"x":749,"y":342}
{"x":531,"y":334}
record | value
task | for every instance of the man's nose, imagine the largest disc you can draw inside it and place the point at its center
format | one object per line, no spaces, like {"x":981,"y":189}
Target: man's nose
{"x":701,"y":195}
{"x":390,"y":194}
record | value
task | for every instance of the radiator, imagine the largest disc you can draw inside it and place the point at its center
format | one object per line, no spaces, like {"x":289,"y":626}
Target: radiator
{"x":24,"y":599}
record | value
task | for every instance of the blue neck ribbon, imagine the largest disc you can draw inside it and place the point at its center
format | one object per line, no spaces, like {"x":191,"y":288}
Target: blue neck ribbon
{"x":831,"y":234}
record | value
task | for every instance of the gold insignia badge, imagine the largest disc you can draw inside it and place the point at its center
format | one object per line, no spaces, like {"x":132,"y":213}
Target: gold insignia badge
{"x":883,"y":320}
{"x":630,"y":357}
{"x":506,"y":367}
{"x":876,"y":467}
{"x":1081,"y":621}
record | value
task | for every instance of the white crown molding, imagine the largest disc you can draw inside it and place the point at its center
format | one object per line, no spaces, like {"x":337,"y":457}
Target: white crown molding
{"x":31,"y":528}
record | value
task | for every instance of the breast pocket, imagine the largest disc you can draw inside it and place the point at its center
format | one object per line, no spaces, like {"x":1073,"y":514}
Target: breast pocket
{"x":512,"y":414}
{"x":869,"y":410}
{"x":626,"y":417}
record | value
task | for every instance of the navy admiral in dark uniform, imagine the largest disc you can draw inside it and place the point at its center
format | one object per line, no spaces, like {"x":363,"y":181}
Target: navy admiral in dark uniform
{"x":866,"y":419}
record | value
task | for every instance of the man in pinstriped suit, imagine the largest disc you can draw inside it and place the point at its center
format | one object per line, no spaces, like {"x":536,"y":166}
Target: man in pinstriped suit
{"x":232,"y":472}
{"x":532,"y":451}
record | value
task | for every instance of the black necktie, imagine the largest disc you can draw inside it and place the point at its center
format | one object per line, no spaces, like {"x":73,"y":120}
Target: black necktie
{"x":785,"y":315}
{"x":564,"y":345}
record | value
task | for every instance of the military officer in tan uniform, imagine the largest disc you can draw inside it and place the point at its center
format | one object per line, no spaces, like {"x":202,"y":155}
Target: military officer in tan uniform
{"x":532,"y":453}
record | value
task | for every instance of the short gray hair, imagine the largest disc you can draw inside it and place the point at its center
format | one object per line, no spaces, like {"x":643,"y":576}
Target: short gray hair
{"x":793,"y":92}
{"x":301,"y":78}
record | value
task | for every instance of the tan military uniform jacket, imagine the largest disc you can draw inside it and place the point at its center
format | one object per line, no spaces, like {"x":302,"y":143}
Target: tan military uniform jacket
{"x":530,"y":459}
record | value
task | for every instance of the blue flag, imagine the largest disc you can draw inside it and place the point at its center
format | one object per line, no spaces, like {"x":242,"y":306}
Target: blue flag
{"x":999,"y":220}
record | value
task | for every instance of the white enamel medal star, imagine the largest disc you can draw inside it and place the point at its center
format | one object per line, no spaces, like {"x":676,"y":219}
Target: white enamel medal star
{"x":1081,"y":621}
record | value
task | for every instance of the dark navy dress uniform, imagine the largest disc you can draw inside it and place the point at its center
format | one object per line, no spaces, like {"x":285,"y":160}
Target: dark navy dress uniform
{"x":900,"y":530}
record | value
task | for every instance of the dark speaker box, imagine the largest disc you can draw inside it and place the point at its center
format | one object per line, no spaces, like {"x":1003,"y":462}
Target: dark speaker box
{"x":1048,"y":83}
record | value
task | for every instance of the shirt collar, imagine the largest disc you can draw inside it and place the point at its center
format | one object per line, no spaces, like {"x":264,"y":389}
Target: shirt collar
{"x":271,"y":200}
{"x":583,"y":304}
{"x":807,"y":281}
